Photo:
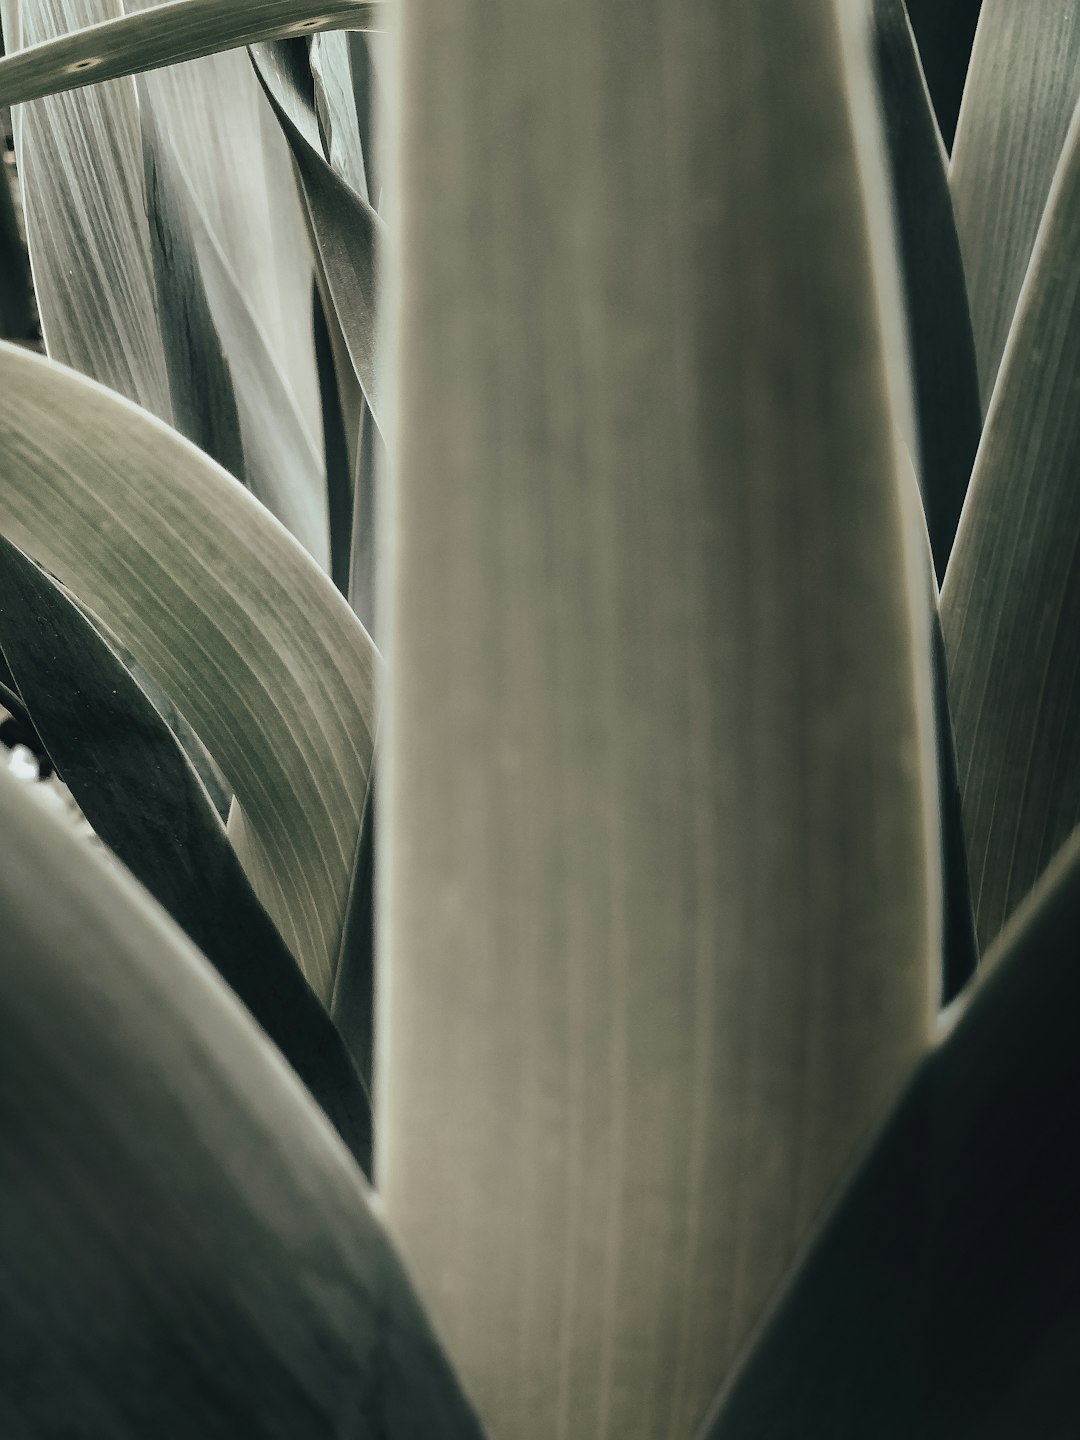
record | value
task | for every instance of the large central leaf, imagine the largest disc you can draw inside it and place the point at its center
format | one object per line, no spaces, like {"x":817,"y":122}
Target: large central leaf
{"x":658,"y":840}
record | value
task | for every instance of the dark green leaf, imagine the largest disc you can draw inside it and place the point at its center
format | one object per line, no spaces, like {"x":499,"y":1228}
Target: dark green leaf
{"x":1011,"y":600}
{"x":138,"y":790}
{"x":188,"y":1248}
{"x":941,"y":1297}
{"x":947,"y":411}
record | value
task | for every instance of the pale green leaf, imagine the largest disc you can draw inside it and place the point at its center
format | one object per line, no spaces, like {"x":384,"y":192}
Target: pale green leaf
{"x":658,"y":837}
{"x":188,"y":1248}
{"x":349,"y":236}
{"x":81,"y":168}
{"x":1022,"y":85}
{"x":240,"y":170}
{"x":163,"y":35}
{"x":223,"y":609}
{"x":1011,"y":599}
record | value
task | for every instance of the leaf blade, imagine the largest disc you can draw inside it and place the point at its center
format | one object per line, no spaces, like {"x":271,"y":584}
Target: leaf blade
{"x":167,"y":34}
{"x":223,"y":608}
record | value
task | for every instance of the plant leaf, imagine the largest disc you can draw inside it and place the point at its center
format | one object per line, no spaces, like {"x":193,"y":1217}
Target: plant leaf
{"x":16,"y":296}
{"x":944,"y":30}
{"x":225,"y":611}
{"x":187,"y":1246}
{"x":1011,"y":600}
{"x":335,"y":98}
{"x":658,"y":834}
{"x":200,"y":382}
{"x":240,"y":172}
{"x":138,"y":790}
{"x":349,"y":236}
{"x":1022,"y":86}
{"x":947,"y":410}
{"x":165,"y":35}
{"x":81,"y":168}
{"x":283,"y":466}
{"x":940,"y":1298}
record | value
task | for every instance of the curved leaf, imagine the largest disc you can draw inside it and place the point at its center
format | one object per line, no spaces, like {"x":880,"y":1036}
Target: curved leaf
{"x":165,"y":35}
{"x":1022,"y":86}
{"x":349,"y":236}
{"x":1011,"y":600}
{"x":138,"y":790}
{"x":223,"y":608}
{"x":659,"y":840}
{"x":940,"y":1298}
{"x":188,"y":1249}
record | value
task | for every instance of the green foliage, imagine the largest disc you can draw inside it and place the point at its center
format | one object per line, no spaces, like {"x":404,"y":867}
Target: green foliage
{"x":658,"y":340}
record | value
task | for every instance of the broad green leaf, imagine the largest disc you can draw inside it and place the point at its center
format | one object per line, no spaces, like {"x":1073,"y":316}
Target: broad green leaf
{"x":960,"y":949}
{"x":940,"y":1298}
{"x":658,"y":835}
{"x":163,"y":35}
{"x":139,"y":791}
{"x":1011,"y":600}
{"x":188,"y":1248}
{"x":1022,"y":86}
{"x":223,"y":609}
{"x":349,"y":236}
{"x":81,"y":168}
{"x":947,"y":411}
{"x":944,"y":30}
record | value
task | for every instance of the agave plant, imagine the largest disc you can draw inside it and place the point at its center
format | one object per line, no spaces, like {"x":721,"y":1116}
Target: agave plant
{"x":682,"y":1046}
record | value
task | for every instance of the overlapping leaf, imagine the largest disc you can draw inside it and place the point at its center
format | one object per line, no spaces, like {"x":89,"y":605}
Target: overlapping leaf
{"x":188,"y":1249}
{"x":1011,"y":600}
{"x":348,"y":234}
{"x":940,"y":1299}
{"x":1022,"y":86}
{"x":136,"y":787}
{"x":659,"y":836}
{"x":223,"y":609}
{"x":947,"y":411}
